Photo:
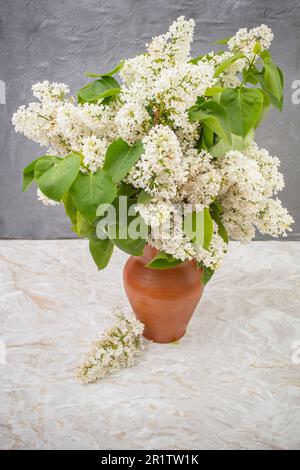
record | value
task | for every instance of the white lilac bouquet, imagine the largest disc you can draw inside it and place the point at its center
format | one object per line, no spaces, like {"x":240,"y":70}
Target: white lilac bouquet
{"x":174,"y":140}
{"x":117,"y":348}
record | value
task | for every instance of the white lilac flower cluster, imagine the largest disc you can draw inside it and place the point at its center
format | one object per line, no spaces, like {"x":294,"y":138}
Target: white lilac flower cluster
{"x":56,"y":122}
{"x":170,"y":237}
{"x":244,"y":183}
{"x":117,"y":348}
{"x":249,"y":180}
{"x":230,"y":77}
{"x":202,"y":184}
{"x":163,"y":80}
{"x":161,"y":167}
{"x":242,"y":42}
{"x":158,"y":89}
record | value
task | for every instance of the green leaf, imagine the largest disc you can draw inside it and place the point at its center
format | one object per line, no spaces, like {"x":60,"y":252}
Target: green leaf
{"x":250,"y":75}
{"x":28,"y":173}
{"x":125,"y":189}
{"x":199,"y":102}
{"x":257,"y":48}
{"x":115,"y":70}
{"x":101,"y":251}
{"x":226,"y":63}
{"x":214,"y":116}
{"x":216,"y":210}
{"x":133,"y":247}
{"x":208,"y":136}
{"x":193,"y":226}
{"x":213,"y":91}
{"x":266,"y":106}
{"x":83,"y":226}
{"x":130,"y":246}
{"x":110,"y":92}
{"x":281,"y":75}
{"x":70,"y":209}
{"x":208,"y":228}
{"x":216,"y":207}
{"x":54,"y":175}
{"x":265,"y":55}
{"x":144,"y":197}
{"x":198,"y":226}
{"x":208,"y":57}
{"x":222,"y":41}
{"x":90,"y":190}
{"x":163,"y":261}
{"x":244,"y":107}
{"x":120,"y":158}
{"x":221,"y":229}
{"x":119,"y":232}
{"x":195,"y":60}
{"x":272,"y":82}
{"x":99,"y":89}
{"x":270,"y":79}
{"x":207,"y":273}
{"x":238,"y":143}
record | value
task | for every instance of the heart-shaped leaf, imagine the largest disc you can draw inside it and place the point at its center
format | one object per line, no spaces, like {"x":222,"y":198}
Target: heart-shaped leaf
{"x":272,"y":82}
{"x":120,"y":158}
{"x":54,"y":175}
{"x":101,"y":251}
{"x":244,"y":107}
{"x":28,"y":173}
{"x":90,"y":190}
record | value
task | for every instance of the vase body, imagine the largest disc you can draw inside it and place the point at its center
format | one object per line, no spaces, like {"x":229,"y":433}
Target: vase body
{"x":164,"y":300}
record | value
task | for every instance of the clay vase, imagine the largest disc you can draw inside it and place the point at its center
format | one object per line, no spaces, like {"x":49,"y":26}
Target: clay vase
{"x":164,"y":300}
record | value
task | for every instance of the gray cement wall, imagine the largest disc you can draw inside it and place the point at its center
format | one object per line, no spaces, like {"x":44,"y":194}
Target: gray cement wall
{"x":60,"y":39}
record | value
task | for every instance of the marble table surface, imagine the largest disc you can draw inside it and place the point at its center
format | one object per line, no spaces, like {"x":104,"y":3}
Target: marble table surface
{"x":233,"y":382}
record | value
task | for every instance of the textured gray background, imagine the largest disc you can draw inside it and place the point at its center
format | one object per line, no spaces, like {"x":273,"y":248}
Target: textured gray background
{"x":60,"y":39}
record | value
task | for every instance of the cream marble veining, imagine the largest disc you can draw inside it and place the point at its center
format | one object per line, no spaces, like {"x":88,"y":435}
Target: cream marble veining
{"x":230,"y":383}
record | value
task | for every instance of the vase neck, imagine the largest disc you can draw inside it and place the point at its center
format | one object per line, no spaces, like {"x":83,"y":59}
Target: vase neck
{"x":149,"y":253}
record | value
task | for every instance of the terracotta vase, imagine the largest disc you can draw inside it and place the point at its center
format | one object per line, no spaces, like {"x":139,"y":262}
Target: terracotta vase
{"x":164,"y":300}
